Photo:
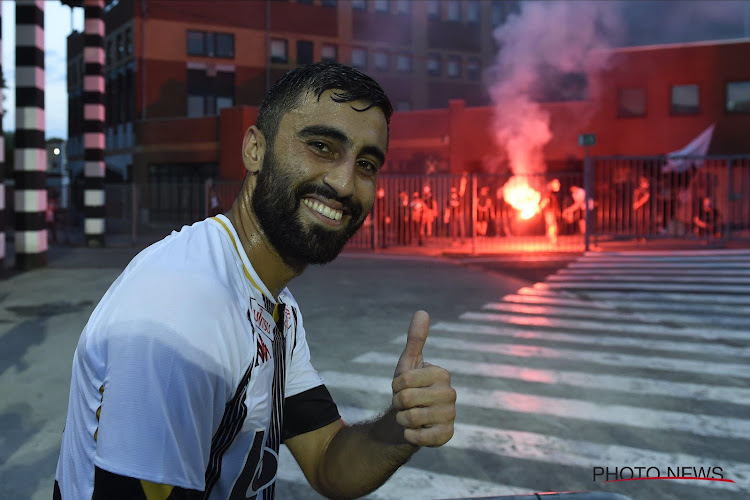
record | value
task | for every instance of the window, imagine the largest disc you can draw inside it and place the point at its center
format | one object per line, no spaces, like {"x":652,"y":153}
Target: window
{"x":433,"y":9}
{"x":210,"y":45}
{"x":472,"y":12}
{"x":129,"y":42}
{"x":223,"y":102}
{"x":201,"y":43}
{"x":224,"y":45}
{"x":433,"y":64}
{"x":209,"y":90}
{"x":329,"y":52}
{"x":403,"y":6}
{"x":685,"y":100}
{"x":120,"y":46}
{"x":453,"y":66}
{"x":359,"y":4}
{"x":453,"y":13}
{"x":304,"y":52}
{"x":279,"y":50}
{"x":738,"y":97}
{"x":474,"y":69}
{"x":196,"y":106}
{"x":631,"y":102}
{"x":196,"y":43}
{"x":381,"y":60}
{"x":403,"y":63}
{"x":382,"y":6}
{"x":111,"y":51}
{"x":329,"y":3}
{"x":359,"y":58}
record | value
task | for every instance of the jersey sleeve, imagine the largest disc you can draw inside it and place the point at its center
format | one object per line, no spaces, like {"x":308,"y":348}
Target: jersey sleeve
{"x":308,"y":404}
{"x":301,"y":375}
{"x":163,"y":392}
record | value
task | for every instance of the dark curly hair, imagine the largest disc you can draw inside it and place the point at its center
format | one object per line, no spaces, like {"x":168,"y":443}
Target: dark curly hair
{"x":349,"y":84}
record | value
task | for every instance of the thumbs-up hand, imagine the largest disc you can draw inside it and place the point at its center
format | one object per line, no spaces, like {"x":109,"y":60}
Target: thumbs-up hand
{"x":422,"y":394}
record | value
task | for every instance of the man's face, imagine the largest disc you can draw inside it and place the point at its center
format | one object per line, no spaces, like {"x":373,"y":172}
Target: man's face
{"x":317,"y":182}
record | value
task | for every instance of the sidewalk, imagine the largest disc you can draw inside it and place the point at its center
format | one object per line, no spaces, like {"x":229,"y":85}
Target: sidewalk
{"x":120,"y":249}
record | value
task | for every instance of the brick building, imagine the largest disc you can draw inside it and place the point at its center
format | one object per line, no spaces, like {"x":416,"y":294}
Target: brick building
{"x":184,"y":78}
{"x":653,"y":100}
{"x":184,"y":81}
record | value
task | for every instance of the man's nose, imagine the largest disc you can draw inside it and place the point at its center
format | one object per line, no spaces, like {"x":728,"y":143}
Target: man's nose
{"x":341,"y":178}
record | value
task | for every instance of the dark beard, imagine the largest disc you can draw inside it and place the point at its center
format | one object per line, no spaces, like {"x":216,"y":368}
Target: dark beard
{"x":276,"y":206}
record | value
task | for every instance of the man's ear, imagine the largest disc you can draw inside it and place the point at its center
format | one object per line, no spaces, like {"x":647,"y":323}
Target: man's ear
{"x":253,"y":149}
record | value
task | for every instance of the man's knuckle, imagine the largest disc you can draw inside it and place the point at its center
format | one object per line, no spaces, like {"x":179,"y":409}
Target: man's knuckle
{"x":407,"y":398}
{"x":453,"y":395}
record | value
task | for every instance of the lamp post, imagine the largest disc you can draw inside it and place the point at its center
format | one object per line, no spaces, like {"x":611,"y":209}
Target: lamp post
{"x":587,"y":140}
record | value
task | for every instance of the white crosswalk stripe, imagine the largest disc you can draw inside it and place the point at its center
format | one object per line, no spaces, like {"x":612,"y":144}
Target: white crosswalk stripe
{"x":618,"y":383}
{"x":617,"y":360}
{"x":704,"y":425}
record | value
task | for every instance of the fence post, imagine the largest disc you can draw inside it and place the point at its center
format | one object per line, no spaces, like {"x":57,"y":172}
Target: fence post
{"x":730,"y":202}
{"x":473,"y":214}
{"x":375,"y":216}
{"x":587,"y":188}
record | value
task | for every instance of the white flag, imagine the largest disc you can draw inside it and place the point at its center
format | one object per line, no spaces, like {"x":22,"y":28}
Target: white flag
{"x":696,"y":147}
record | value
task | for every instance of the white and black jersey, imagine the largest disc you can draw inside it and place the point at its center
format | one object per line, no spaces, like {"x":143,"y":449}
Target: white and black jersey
{"x":190,"y":373}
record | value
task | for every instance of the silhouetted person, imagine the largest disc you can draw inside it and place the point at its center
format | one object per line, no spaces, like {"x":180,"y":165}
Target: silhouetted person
{"x":576,"y":212}
{"x":707,"y":222}
{"x":49,"y":217}
{"x":485,"y":211}
{"x":550,"y":207}
{"x":417,"y":210}
{"x":642,"y":209}
{"x":429,"y":213}
{"x":381,"y":216}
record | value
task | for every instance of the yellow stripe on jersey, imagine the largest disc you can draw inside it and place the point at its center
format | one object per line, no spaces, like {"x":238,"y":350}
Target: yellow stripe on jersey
{"x":247,"y":274}
{"x":156,"y":491}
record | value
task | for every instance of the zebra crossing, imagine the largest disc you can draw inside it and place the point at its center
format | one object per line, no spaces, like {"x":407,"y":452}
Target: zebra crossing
{"x":638,"y":359}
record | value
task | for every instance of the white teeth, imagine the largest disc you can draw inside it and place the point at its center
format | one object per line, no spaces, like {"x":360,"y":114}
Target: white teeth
{"x":323,"y":209}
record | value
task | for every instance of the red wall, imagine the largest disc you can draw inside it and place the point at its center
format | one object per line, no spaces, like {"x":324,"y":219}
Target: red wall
{"x":462,"y":136}
{"x":658,"y":132}
{"x":233,"y":124}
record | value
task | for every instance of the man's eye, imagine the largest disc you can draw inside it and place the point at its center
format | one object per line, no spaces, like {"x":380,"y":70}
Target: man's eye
{"x":368,"y":165}
{"x":320,"y":146}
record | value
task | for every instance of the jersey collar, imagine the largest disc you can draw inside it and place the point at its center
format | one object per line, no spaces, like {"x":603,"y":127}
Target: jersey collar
{"x":247,"y":267}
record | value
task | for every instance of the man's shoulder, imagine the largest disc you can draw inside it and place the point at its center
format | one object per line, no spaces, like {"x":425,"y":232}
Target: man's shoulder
{"x":192,"y":247}
{"x":189,"y":264}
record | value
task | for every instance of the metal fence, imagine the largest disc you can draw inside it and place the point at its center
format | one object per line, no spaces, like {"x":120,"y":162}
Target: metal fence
{"x":478,"y":213}
{"x":677,"y":193}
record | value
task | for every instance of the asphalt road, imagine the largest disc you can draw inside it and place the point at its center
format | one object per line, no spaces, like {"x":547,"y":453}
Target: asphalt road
{"x":545,"y":395}
{"x":351,"y":306}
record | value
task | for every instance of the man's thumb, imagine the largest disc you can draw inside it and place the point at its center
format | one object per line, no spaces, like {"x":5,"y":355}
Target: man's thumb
{"x":412,"y":356}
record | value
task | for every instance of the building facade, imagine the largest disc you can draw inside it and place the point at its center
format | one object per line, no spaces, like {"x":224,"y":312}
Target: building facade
{"x":173,"y":67}
{"x":183,"y":82}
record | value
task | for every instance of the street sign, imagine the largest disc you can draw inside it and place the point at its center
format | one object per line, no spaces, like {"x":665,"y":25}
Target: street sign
{"x":586,"y":139}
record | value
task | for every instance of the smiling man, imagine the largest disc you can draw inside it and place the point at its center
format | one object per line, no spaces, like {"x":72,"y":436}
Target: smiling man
{"x":194,"y":367}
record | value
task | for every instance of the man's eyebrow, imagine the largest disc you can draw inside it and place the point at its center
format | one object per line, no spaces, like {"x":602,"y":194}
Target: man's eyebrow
{"x":326,"y":131}
{"x":374,"y":151}
{"x":339,"y":135}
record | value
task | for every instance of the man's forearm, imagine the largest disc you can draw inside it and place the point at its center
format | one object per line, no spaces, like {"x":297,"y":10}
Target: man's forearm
{"x":361,"y":457}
